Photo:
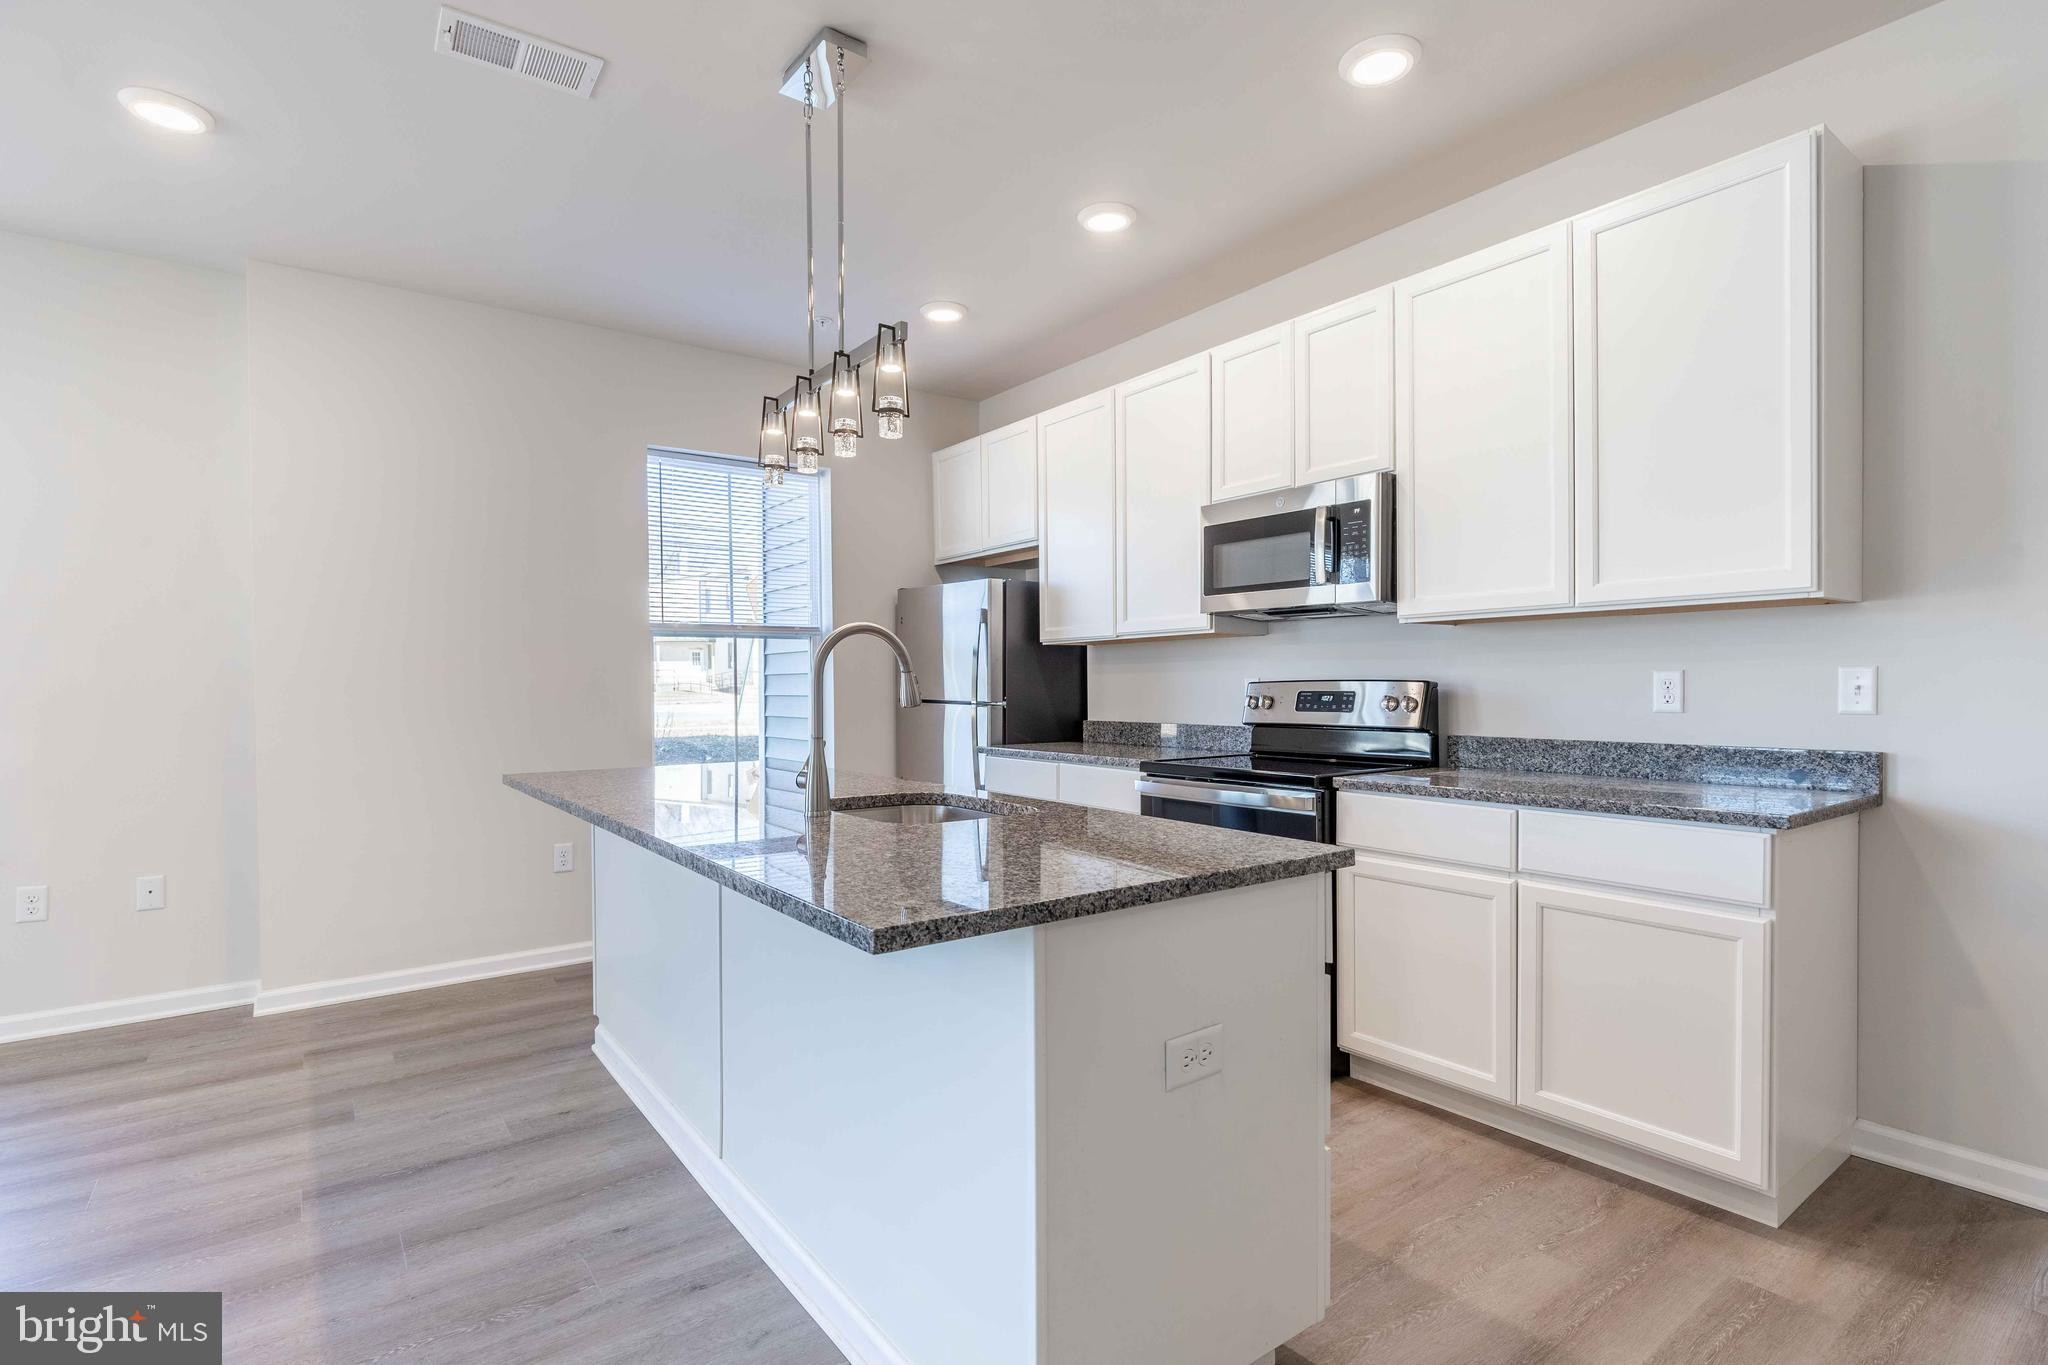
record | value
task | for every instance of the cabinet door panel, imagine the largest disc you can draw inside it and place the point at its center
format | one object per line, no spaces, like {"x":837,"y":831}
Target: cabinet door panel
{"x":1162,"y":446}
{"x":1426,"y":972}
{"x":1696,"y":441}
{"x":1077,"y":522}
{"x":1082,"y":784}
{"x":1009,"y":459}
{"x":1646,"y":1021}
{"x":958,"y":523}
{"x":1482,"y":407}
{"x":1344,"y":389}
{"x":1252,"y":422}
{"x":1025,"y":777}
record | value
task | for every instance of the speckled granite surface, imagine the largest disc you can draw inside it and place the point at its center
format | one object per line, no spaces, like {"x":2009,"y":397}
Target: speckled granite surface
{"x":1127,"y":743}
{"x":883,"y":887}
{"x":1755,"y":788}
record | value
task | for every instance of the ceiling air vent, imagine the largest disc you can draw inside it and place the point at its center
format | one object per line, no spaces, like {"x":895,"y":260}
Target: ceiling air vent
{"x":522,"y":54}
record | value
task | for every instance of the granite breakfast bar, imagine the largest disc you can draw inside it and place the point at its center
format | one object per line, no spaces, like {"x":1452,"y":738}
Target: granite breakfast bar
{"x":1041,"y":1085}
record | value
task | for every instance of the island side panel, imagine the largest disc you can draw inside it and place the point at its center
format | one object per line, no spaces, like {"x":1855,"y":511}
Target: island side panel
{"x":881,"y":1110}
{"x":655,"y":986}
{"x":1184,"y":1227}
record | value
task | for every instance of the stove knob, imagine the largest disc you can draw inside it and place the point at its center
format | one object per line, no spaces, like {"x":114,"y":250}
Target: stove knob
{"x":1265,"y":703}
{"x":1411,"y":705}
{"x":1251,"y":702}
{"x":1390,"y":703}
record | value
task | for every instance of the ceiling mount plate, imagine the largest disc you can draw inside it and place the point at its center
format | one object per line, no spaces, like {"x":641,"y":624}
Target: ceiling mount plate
{"x":818,"y":55}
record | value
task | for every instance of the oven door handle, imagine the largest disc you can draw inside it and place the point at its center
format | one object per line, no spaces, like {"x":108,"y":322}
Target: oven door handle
{"x":1216,"y":794}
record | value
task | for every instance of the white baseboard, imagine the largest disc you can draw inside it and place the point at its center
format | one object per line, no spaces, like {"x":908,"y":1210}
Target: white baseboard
{"x":1973,"y":1170}
{"x":856,"y":1335}
{"x":134,"y":1010}
{"x":314,"y":994}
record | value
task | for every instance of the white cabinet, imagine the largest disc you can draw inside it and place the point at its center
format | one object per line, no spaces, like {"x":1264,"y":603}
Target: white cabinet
{"x":1077,"y":784}
{"x":959,"y":501}
{"x":1009,"y":459}
{"x":1162,"y":447}
{"x":985,"y":493}
{"x":1482,"y":431}
{"x":1426,"y":971}
{"x":1252,"y":415}
{"x":1085,"y":784}
{"x":1697,"y":377}
{"x":1077,"y":559}
{"x":1344,"y":389}
{"x":1648,"y":1021}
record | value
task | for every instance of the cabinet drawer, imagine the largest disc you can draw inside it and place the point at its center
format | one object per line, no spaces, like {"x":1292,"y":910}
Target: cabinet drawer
{"x":1428,"y":827}
{"x":1026,"y":777}
{"x":1687,"y":860}
{"x":1103,"y":788}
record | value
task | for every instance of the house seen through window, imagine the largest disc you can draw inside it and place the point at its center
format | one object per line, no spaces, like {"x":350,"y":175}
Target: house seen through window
{"x":735,"y":605}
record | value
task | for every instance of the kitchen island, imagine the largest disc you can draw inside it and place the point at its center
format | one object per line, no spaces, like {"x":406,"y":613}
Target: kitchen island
{"x":1043,"y":1085}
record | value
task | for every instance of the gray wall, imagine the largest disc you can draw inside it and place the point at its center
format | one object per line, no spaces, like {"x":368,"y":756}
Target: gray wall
{"x":1948,"y":111}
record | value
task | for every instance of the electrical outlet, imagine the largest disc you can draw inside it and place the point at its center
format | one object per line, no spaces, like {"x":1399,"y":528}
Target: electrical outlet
{"x":31,"y":904}
{"x":1194,"y":1056}
{"x":1856,"y":691}
{"x":149,"y":892}
{"x":1667,"y":690}
{"x":565,"y":857}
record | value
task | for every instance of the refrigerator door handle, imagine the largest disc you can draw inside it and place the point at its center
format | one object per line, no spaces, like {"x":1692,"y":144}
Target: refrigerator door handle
{"x":974,"y":669}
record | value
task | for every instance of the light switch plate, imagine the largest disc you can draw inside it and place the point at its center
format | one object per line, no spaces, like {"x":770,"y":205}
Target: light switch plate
{"x":1667,"y":690}
{"x":1856,"y":690}
{"x":149,"y":892}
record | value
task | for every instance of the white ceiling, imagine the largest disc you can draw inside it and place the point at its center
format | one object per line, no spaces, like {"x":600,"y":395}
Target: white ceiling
{"x":670,"y":203}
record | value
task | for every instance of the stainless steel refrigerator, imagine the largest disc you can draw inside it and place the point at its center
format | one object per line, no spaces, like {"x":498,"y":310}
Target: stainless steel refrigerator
{"x":986,"y":679}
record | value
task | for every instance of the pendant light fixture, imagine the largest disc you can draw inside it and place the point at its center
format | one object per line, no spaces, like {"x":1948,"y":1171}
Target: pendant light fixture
{"x":795,"y":426}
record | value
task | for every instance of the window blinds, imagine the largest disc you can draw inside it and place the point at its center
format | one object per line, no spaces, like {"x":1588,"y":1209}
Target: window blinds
{"x":726,"y":553}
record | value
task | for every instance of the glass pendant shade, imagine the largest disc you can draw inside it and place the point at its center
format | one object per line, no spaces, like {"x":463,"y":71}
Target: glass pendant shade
{"x":774,"y":452}
{"x":892,"y":382}
{"x":806,"y":426}
{"x":842,"y":407}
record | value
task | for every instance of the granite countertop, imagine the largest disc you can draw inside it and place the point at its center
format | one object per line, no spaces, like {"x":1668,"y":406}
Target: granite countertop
{"x":883,"y":887}
{"x":1126,"y":744}
{"x":1705,"y":784}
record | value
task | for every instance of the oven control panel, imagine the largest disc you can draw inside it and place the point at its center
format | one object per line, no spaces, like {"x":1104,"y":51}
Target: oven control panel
{"x":1388,"y":705}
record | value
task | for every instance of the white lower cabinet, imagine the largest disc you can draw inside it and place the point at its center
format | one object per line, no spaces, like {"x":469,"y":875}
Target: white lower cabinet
{"x":1673,"y":1000}
{"x":1427,"y":965}
{"x":1648,"y":1021}
{"x":1077,"y":784}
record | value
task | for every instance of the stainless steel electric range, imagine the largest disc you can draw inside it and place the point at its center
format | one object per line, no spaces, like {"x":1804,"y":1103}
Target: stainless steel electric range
{"x":1306,"y":733}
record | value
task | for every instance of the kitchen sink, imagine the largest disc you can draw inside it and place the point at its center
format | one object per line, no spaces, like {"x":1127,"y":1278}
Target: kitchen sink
{"x":921,"y":814}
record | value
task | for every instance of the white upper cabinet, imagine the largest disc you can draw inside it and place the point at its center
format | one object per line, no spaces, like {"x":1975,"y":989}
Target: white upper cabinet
{"x":1482,"y":430}
{"x":959,"y":505}
{"x":1078,"y":535}
{"x":1252,"y":415}
{"x":1344,"y":389}
{"x":1009,"y":458}
{"x":1696,"y":385}
{"x":1162,"y":443}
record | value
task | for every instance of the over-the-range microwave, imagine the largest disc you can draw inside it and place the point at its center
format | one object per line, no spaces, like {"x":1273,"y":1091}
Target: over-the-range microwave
{"x":1325,"y":549}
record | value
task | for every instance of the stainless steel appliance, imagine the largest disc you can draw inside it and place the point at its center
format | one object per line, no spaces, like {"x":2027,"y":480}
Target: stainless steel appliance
{"x":1326,"y":549}
{"x":985,"y":679}
{"x":1305,"y":735}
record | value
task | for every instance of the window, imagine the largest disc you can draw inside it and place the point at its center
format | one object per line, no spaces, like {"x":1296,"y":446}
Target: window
{"x":735,"y":604}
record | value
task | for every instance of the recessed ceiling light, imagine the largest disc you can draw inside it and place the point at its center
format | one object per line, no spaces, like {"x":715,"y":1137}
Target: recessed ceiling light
{"x":165,"y":110}
{"x":944,"y":310}
{"x":1108,"y":217}
{"x":1380,"y":61}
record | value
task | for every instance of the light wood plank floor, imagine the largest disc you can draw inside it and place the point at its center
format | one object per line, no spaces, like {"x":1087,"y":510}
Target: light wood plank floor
{"x":451,"y":1176}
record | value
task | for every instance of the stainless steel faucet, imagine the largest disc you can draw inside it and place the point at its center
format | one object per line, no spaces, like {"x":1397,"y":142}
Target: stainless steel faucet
{"x":813,"y":779}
